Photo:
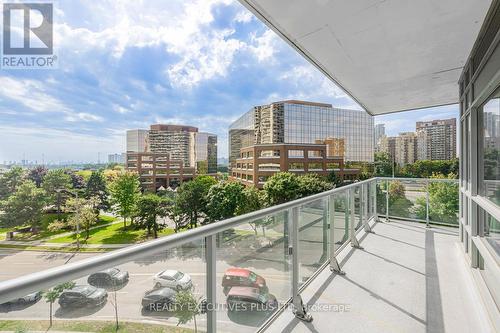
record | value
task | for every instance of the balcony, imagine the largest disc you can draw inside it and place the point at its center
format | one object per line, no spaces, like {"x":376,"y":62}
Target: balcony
{"x":403,"y":273}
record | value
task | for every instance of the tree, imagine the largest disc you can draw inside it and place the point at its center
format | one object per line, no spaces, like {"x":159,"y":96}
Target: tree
{"x":96,"y":188}
{"x":223,"y":200}
{"x":53,"y":182}
{"x":84,"y":213}
{"x":282,"y":187}
{"x":24,"y":206}
{"x":149,"y":208}
{"x":399,"y":205}
{"x":187,"y":307}
{"x":53,"y":294}
{"x":443,"y":201}
{"x":335,"y":180}
{"x":125,"y":190}
{"x":383,"y":164}
{"x":312,"y":183}
{"x":191,"y":201}
{"x":76,"y":180}
{"x":37,"y":174}
{"x":10,"y":180}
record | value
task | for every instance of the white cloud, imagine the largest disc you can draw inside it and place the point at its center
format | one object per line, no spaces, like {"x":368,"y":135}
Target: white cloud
{"x":31,"y":94}
{"x":264,"y":46}
{"x":243,"y":16}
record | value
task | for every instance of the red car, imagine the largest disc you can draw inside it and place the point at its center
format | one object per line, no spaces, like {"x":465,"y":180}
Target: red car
{"x":241,"y":277}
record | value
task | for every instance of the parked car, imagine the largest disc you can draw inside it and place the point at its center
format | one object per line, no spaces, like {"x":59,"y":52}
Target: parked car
{"x":30,"y":298}
{"x":108,"y":278}
{"x":82,"y":296}
{"x":172,"y":279}
{"x":241,"y":277}
{"x":249,"y":299}
{"x":158,"y":299}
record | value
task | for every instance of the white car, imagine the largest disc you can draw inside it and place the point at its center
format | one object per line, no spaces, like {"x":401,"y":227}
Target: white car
{"x":172,"y":279}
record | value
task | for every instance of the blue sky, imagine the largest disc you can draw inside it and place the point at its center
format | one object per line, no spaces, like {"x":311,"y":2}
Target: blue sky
{"x":128,"y":64}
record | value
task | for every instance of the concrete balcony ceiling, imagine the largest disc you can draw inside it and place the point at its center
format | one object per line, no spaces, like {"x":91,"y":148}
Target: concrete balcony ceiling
{"x":389,"y":56}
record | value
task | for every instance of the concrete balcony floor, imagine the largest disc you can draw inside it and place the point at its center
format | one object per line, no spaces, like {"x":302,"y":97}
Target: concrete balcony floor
{"x":406,"y":279}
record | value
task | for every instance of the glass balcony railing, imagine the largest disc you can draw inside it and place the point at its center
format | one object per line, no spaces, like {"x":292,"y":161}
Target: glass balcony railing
{"x":430,"y":201}
{"x":234,"y":275}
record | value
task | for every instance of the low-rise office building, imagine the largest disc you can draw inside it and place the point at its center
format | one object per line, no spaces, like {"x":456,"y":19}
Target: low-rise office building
{"x":257,"y":163}
{"x":166,"y":155}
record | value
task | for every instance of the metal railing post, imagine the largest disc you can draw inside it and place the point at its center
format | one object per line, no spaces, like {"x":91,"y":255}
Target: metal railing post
{"x":299,"y":310}
{"x":427,"y":204}
{"x":354,"y":240}
{"x":334,"y":264}
{"x":386,"y":201}
{"x":211,"y":281}
{"x":375,"y":210}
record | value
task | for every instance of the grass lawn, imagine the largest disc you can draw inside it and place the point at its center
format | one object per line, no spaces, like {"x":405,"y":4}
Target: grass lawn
{"x":2,"y":233}
{"x":49,"y":218}
{"x":87,"y":326}
{"x":112,"y":234}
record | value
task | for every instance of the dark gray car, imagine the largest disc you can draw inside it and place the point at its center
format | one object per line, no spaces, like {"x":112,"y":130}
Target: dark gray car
{"x":108,"y":278}
{"x":83,"y":296}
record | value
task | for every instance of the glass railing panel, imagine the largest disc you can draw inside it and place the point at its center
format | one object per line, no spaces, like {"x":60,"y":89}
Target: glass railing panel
{"x":443,"y":202}
{"x":253,"y":272}
{"x":341,"y":220}
{"x":161,"y":292}
{"x":313,"y":237}
{"x":407,"y":199}
{"x":356,"y":192}
{"x":381,"y":197}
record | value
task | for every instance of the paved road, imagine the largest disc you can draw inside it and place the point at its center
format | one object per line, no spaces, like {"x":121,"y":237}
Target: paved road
{"x":243,"y":251}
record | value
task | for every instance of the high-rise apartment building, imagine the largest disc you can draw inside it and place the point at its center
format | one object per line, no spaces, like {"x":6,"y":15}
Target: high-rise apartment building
{"x":388,"y":145}
{"x":167,"y":155}
{"x":437,"y":139}
{"x":378,"y":133}
{"x":117,"y":158}
{"x":302,"y":122}
{"x":406,"y":148}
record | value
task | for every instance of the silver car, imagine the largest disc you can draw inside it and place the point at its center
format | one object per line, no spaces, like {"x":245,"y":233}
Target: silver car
{"x":172,"y":279}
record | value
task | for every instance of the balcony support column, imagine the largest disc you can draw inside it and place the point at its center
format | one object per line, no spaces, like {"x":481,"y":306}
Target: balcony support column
{"x":299,"y":310}
{"x":334,"y":264}
{"x":354,"y":240}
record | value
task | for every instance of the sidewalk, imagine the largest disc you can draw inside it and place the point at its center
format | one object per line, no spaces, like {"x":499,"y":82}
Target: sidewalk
{"x":63,"y":245}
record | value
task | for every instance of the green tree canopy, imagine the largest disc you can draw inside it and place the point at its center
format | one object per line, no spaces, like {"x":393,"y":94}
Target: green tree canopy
{"x":24,"y":207}
{"x":84,"y":213}
{"x":10,"y":180}
{"x":312,"y":183}
{"x":37,"y":174}
{"x":282,"y":187}
{"x":125,"y":191}
{"x":191,"y":201}
{"x":383,"y":164}
{"x":53,"y":182}
{"x":223,"y":200}
{"x":96,"y":188}
{"x":148,"y":209}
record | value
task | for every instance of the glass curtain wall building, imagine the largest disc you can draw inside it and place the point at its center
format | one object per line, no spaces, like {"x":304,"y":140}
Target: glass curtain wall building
{"x":304,"y":123}
{"x":480,"y":155}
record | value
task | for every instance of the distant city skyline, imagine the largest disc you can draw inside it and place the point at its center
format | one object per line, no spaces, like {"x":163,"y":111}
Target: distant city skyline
{"x":155,"y":76}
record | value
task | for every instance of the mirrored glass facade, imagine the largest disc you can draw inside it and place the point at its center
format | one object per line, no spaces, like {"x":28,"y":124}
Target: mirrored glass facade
{"x":305,"y":122}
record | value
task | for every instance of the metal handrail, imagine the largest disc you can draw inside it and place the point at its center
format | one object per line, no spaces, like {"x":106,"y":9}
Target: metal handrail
{"x":24,"y":285}
{"x":18,"y":287}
